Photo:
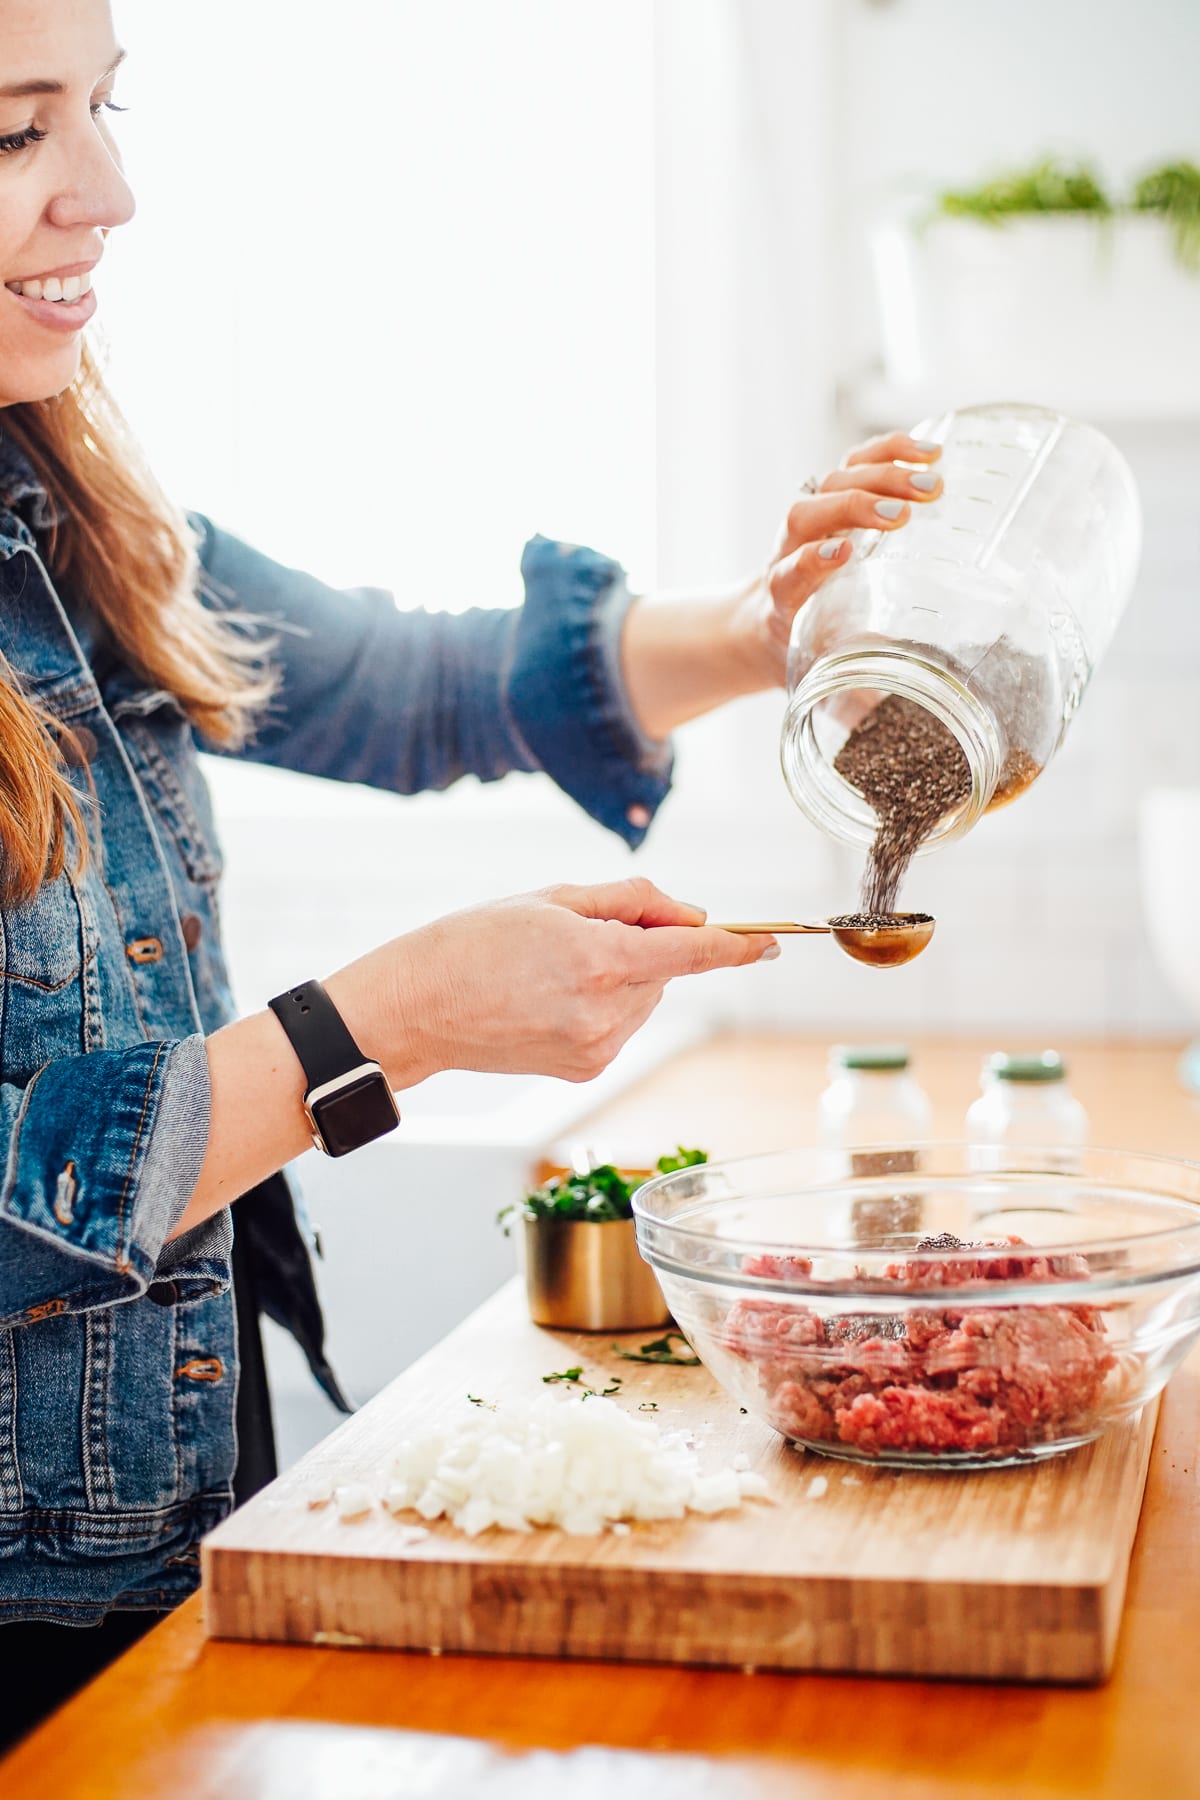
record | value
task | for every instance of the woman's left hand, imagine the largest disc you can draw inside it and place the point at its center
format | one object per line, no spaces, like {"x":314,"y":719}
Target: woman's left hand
{"x":871,"y":490}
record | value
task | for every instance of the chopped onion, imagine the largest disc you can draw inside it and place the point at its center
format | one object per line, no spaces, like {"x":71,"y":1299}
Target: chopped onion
{"x":584,"y":1465}
{"x":353,"y":1499}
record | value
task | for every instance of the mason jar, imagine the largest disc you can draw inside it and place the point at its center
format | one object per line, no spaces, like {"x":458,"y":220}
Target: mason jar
{"x":874,"y":1112}
{"x":990,"y":608}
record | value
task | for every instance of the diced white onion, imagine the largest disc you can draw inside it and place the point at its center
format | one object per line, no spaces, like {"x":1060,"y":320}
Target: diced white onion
{"x":585,"y":1466}
{"x":353,"y":1499}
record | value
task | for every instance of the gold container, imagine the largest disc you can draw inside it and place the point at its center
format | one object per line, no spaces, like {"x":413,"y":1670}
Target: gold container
{"x":585,"y":1275}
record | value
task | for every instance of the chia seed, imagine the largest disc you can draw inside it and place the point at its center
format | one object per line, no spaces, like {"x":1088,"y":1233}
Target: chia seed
{"x":911,"y":769}
{"x":880,"y":921}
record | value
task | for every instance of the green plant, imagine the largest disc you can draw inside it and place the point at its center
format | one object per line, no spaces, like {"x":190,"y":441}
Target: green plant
{"x":1174,"y":191}
{"x":601,"y":1194}
{"x":1058,"y":187}
{"x":1048,"y":187}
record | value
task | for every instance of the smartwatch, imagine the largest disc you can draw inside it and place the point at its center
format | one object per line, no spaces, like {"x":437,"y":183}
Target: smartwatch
{"x":347,"y":1100}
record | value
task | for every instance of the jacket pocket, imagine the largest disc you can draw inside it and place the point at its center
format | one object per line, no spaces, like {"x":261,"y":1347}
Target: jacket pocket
{"x":94,"y":1411}
{"x":45,"y":946}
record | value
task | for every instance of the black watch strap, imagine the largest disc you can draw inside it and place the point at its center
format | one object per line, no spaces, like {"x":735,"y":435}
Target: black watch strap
{"x":317,"y":1032}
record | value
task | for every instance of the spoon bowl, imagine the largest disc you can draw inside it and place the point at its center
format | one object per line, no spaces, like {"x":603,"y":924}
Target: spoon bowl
{"x":882,"y":940}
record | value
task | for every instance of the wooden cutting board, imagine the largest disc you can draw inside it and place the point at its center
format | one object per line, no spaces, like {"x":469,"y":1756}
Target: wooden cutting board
{"x":1014,"y":1574}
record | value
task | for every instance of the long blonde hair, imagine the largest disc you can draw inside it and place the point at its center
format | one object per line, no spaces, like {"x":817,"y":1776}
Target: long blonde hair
{"x":120,"y":544}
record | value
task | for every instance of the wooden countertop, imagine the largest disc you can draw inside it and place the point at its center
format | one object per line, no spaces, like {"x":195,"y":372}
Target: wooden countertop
{"x":180,"y":1715}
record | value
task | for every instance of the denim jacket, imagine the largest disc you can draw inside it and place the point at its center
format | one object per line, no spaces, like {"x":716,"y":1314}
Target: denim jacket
{"x":118,"y":1359}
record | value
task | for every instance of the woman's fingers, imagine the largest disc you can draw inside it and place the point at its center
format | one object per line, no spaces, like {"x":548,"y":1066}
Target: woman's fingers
{"x":892,"y":446}
{"x":634,"y":901}
{"x":824,"y":515}
{"x":661,"y":955}
{"x":795,"y":578}
{"x":886,"y":479}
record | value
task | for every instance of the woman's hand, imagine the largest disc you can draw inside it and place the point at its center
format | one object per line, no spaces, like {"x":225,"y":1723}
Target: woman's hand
{"x":869,"y":490}
{"x":551,"y":983}
{"x":682,"y":655}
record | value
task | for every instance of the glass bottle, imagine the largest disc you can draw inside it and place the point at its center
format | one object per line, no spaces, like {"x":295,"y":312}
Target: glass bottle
{"x":990,"y":608}
{"x":873,"y":1099}
{"x":1026,"y":1100}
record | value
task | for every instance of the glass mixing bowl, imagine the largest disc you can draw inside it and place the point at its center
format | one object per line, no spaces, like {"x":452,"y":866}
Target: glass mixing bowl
{"x":904,"y":1306}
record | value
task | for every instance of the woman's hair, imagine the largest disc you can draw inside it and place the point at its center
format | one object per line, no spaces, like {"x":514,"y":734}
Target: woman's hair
{"x":121,"y":546}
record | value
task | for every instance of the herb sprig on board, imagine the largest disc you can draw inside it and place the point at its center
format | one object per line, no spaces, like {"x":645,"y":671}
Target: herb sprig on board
{"x":662,"y":1350}
{"x":574,"y":1378}
{"x":599,"y":1194}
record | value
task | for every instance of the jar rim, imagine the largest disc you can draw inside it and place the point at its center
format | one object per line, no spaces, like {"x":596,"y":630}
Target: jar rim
{"x":825,"y":797}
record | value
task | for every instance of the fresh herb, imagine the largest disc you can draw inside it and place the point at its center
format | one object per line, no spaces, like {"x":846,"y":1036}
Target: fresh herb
{"x":1048,"y":187}
{"x":478,"y":1400}
{"x":601,"y":1194}
{"x":648,"y":1406}
{"x":661,"y":1350}
{"x":1055,"y":187}
{"x":575,"y":1377}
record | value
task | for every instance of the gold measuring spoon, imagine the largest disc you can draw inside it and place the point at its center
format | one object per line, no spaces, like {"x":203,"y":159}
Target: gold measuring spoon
{"x":884,"y":946}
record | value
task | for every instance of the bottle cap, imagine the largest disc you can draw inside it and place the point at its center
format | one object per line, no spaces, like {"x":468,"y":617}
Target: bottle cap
{"x":877,"y":1057}
{"x":1046,"y":1065}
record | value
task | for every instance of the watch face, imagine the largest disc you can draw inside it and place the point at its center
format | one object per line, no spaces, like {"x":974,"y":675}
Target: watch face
{"x":362,"y":1110}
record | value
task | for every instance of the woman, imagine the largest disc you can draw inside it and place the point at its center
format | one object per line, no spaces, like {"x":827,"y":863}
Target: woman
{"x":134,"y":1107}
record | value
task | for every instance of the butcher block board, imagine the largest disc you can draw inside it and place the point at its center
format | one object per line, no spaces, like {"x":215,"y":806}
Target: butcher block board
{"x":1014,"y":1574}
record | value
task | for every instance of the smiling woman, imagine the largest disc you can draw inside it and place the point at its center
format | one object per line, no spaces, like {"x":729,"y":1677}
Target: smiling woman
{"x":52,"y":228}
{"x":135,"y":1105}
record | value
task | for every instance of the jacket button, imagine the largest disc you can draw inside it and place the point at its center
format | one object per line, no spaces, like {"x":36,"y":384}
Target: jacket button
{"x":79,"y":745}
{"x":193,"y":929}
{"x":163,"y":1293}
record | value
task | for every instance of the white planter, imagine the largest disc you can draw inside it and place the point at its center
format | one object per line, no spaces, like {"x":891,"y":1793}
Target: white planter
{"x":1098,"y":318}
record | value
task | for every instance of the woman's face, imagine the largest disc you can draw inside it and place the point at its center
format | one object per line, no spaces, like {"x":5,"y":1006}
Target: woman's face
{"x":61,"y":186}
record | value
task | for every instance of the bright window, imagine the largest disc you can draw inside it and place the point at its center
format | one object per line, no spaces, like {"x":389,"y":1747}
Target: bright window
{"x":387,"y":306}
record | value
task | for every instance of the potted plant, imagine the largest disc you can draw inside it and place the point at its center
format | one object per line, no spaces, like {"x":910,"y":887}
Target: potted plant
{"x":577,"y":1247}
{"x":1039,"y":285}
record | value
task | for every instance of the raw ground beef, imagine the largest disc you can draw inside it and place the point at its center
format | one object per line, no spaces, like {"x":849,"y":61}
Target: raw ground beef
{"x":960,"y":1379}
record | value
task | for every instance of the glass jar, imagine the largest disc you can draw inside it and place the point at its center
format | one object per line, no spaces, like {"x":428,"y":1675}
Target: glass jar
{"x":874,"y":1099}
{"x":990,"y":608}
{"x":1026,"y":1100}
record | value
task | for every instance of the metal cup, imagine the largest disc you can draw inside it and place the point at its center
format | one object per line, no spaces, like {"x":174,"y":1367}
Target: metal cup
{"x":584,"y":1275}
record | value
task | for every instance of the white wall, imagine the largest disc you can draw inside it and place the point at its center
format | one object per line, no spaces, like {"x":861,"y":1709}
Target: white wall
{"x":704,"y":208}
{"x":936,"y":94}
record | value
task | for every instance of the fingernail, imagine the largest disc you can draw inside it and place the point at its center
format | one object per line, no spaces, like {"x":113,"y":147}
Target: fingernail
{"x":831,"y":548}
{"x":692,"y":907}
{"x":889,"y":509}
{"x":926,"y":445}
{"x":925,"y":479}
{"x":770,"y":953}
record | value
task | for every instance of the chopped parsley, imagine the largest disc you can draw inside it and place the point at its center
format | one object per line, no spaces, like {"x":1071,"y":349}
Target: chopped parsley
{"x":662,"y":1350}
{"x":575,"y":1378}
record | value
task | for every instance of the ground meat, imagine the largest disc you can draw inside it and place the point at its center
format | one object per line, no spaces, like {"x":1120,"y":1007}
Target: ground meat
{"x":967,"y":1379}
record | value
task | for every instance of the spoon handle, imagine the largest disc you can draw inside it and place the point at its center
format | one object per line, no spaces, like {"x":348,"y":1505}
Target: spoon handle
{"x":773,"y":926}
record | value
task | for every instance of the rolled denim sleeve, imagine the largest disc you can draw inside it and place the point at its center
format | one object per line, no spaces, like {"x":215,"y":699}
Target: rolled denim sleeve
{"x":410,"y":700}
{"x":566,"y":692}
{"x":104,"y":1151}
